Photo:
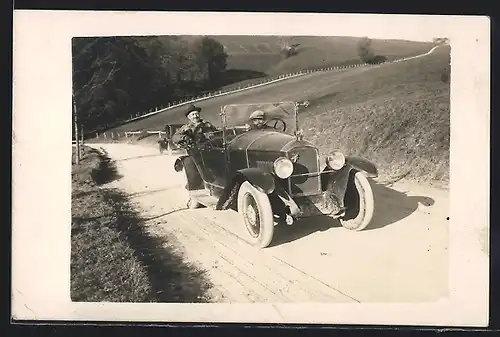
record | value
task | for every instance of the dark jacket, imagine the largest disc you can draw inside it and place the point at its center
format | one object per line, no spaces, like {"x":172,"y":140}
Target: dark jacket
{"x":192,"y":133}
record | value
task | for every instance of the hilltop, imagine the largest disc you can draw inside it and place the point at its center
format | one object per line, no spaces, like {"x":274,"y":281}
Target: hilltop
{"x":262,"y":53}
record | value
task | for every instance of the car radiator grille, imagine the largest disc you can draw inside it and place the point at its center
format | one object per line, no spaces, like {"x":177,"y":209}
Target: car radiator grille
{"x":305,"y":179}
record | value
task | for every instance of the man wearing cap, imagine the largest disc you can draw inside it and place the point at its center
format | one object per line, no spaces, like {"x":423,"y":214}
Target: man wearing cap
{"x":257,"y":120}
{"x":193,"y":131}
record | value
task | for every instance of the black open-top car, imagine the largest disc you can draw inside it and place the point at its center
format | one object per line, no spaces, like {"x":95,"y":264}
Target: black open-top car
{"x":272,"y":175}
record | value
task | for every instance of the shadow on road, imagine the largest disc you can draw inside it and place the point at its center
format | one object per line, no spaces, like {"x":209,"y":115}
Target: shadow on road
{"x":173,"y":279}
{"x":302,"y":228}
{"x":106,"y":172}
{"x":165,"y":214}
{"x":150,"y":192}
{"x":391,"y":206}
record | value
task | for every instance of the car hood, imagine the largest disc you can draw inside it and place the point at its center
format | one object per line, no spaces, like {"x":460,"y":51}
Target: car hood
{"x":257,"y":140}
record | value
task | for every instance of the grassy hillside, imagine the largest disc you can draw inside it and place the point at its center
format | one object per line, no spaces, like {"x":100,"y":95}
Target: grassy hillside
{"x":396,"y":115}
{"x":252,"y":60}
{"x":96,"y":236}
{"x":113,"y":256}
{"x":262,"y":53}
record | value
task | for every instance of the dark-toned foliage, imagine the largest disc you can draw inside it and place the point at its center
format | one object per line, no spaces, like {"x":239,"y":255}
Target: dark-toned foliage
{"x":117,"y":77}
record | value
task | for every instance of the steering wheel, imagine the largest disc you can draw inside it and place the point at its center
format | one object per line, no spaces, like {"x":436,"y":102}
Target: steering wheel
{"x":276,"y":122}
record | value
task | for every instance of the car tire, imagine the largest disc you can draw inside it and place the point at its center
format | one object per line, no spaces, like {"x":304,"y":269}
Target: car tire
{"x":359,"y":192}
{"x":251,"y":200}
{"x":191,"y":180}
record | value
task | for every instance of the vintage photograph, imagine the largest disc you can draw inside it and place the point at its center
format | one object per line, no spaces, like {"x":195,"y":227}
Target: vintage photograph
{"x":294,"y":168}
{"x":260,"y":169}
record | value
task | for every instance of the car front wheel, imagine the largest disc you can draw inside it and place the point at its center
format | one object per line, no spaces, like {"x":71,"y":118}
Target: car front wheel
{"x":359,"y":202}
{"x":257,"y":214}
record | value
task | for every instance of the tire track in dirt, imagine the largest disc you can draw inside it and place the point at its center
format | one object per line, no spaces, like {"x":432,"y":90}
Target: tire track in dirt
{"x":298,"y":284}
{"x":236,"y":285}
{"x":276,"y":284}
{"x":231,"y":288}
{"x":264,"y":277}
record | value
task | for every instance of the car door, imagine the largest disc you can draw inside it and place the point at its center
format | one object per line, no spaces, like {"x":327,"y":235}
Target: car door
{"x":214,"y":160}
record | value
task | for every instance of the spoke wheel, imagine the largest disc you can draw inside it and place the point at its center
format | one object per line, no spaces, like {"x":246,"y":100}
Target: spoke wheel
{"x":255,"y":208}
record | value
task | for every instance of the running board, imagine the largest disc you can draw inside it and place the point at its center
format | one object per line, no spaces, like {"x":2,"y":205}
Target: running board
{"x":203,"y":197}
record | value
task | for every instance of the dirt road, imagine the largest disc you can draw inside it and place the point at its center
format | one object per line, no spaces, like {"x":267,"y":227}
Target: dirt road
{"x":401,"y":257}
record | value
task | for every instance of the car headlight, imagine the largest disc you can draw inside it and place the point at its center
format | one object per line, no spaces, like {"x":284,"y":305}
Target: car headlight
{"x":335,"y":161}
{"x":283,"y":167}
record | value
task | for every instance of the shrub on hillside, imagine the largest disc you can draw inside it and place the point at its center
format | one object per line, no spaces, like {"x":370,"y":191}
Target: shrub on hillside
{"x":366,"y":53}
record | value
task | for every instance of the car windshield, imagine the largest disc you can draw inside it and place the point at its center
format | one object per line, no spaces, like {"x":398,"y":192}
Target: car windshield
{"x":239,"y":115}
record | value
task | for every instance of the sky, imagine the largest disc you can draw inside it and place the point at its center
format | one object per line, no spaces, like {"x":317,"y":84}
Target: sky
{"x":376,"y":26}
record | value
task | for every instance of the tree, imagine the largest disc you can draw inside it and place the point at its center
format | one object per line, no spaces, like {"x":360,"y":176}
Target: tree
{"x":109,"y":74}
{"x":210,"y":53}
{"x":116,"y":77}
{"x":364,"y":50}
{"x":441,"y":40}
{"x":94,"y":66}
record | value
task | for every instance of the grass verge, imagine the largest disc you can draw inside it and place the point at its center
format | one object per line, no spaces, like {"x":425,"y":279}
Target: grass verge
{"x":113,"y":257}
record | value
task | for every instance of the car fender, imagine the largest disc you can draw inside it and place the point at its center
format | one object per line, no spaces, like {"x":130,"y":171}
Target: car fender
{"x":336,"y":181}
{"x":364,"y":165}
{"x":179,"y":163}
{"x":260,"y":179}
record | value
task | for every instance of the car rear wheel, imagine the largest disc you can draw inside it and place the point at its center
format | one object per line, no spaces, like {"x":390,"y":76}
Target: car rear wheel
{"x":257,"y":213}
{"x":359,"y":202}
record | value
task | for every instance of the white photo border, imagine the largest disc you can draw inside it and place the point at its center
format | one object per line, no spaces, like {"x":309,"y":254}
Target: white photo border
{"x":41,"y":169}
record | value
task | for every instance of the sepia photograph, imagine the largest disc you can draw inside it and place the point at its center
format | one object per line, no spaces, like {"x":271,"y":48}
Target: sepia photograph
{"x":260,"y":168}
{"x":211,"y":168}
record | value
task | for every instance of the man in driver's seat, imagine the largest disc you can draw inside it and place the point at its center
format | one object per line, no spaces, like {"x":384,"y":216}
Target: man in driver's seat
{"x":257,"y":119}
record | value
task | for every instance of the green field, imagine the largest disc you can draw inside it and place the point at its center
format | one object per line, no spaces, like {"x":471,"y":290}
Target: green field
{"x":262,"y":53}
{"x":397,"y":115}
